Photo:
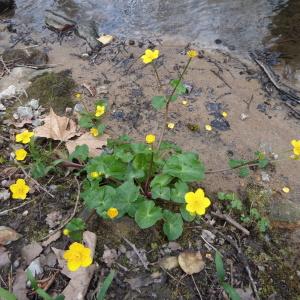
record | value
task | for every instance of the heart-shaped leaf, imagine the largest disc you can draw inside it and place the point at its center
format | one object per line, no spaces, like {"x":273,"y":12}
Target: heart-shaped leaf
{"x":147,"y":214}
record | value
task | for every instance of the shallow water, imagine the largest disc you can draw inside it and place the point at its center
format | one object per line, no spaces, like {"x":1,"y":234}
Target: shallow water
{"x":239,"y":24}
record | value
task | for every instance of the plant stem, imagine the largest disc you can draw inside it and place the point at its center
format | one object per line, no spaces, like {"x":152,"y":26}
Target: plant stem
{"x":169,"y":100}
{"x":150,"y":170}
{"x":157,"y":76}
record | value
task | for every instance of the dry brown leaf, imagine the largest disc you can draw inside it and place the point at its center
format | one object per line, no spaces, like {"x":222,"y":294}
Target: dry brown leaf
{"x":4,"y":257}
{"x":80,"y":280}
{"x":8,"y":235}
{"x":31,"y":251}
{"x":191,"y":262}
{"x":105,"y":39}
{"x":56,"y":128}
{"x":95,"y":144}
{"x":169,"y":262}
{"x":19,"y":286}
{"x":54,"y":237}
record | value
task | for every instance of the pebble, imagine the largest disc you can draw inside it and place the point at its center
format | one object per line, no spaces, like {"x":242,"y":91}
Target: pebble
{"x":25,"y":213}
{"x":2,"y":107}
{"x":243,"y":117}
{"x":4,"y":195}
{"x":265,"y":177}
{"x":16,"y":263}
{"x":5,"y":183}
{"x":78,"y":107}
{"x":15,"y":116}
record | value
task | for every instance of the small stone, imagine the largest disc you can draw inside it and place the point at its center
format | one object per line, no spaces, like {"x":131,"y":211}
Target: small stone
{"x":85,"y":55}
{"x":25,"y":112}
{"x":131,"y":42}
{"x":5,"y":183}
{"x":102,"y":89}
{"x":79,"y":107}
{"x":69,"y":110}
{"x":25,"y":213}
{"x":35,"y":267}
{"x":15,"y":116}
{"x":16,"y":264}
{"x":4,"y":195}
{"x":34,"y":104}
{"x":208,"y":236}
{"x":265,"y":177}
{"x":244,"y":116}
{"x":2,"y":107}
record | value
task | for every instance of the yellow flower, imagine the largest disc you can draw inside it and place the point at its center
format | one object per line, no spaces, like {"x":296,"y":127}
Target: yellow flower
{"x":112,"y":212}
{"x":19,"y":189}
{"x":20,"y":154}
{"x":94,"y":132}
{"x":150,"y":138}
{"x":66,"y":232}
{"x":196,"y":202}
{"x":149,"y":56}
{"x":171,"y":125}
{"x":78,"y":256}
{"x":24,"y":137}
{"x":296,"y":145}
{"x":192,"y":53}
{"x":286,"y":189}
{"x":100,"y":110}
{"x":95,"y":174}
{"x":184,"y":102}
{"x":208,"y":127}
{"x":77,"y":95}
{"x":224,"y":114}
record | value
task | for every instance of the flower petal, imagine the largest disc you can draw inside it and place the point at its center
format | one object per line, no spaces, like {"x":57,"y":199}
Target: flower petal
{"x":199,"y":194}
{"x":189,"y":197}
{"x":200,"y":210}
{"x":190,"y":207}
{"x":206,"y":202}
{"x":73,"y":265}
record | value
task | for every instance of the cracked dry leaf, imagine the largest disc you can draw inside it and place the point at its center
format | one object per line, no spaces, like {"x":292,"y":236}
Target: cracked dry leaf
{"x":191,"y":262}
{"x":8,"y":235}
{"x":56,"y":128}
{"x":95,"y":144}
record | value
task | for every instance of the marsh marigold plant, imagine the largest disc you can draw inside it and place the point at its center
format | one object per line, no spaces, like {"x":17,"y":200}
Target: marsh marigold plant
{"x":196,"y":203}
{"x":19,"y":189}
{"x":24,"y":137}
{"x":78,"y":256}
{"x":100,"y":110}
{"x":20,"y":154}
{"x":150,"y":56}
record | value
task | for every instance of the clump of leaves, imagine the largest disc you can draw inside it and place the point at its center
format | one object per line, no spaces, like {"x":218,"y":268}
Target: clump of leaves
{"x":75,"y":229}
{"x":149,"y":183}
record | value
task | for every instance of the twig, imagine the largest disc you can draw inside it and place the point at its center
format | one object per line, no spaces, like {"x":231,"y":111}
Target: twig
{"x":38,"y":184}
{"x":244,"y":261}
{"x":196,"y":286}
{"x":4,"y":65}
{"x":231,"y":221}
{"x":5,"y":212}
{"x":64,"y":223}
{"x":209,"y":244}
{"x":145,"y":264}
{"x":221,"y":78}
{"x":248,"y":102}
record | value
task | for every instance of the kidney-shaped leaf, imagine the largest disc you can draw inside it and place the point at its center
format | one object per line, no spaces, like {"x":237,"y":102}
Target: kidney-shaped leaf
{"x":147,"y":214}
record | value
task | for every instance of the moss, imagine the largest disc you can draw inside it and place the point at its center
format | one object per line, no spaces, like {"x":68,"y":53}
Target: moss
{"x":53,"y":89}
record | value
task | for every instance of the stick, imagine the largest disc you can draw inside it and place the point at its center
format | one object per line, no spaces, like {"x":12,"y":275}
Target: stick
{"x":4,"y":65}
{"x":232,"y":222}
{"x":63,"y":224}
{"x":221,"y":78}
{"x":145,"y":264}
{"x":5,"y":212}
{"x":196,"y":287}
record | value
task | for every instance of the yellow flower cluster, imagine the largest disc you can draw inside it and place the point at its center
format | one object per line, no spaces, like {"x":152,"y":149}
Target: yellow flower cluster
{"x":100,"y":110}
{"x":94,"y":132}
{"x":196,"y":202}
{"x":95,"y":174}
{"x":78,"y":256}
{"x":192,"y":53}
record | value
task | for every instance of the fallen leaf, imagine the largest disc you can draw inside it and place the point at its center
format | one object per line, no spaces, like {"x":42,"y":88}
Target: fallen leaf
{"x":80,"y":280}
{"x":31,"y":251}
{"x":191,"y":262}
{"x":53,"y":219}
{"x":109,"y":256}
{"x":35,"y":267}
{"x":54,"y":237}
{"x":4,"y":257}
{"x":246,"y":293}
{"x":95,"y":144}
{"x":144,"y":280}
{"x":19,"y":286}
{"x":105,"y":39}
{"x":8,"y":235}
{"x":169,"y":262}
{"x":56,"y":128}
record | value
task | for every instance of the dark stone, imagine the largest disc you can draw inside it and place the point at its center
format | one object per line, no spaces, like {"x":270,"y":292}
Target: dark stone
{"x":218,"y":41}
{"x":31,"y":56}
{"x":58,"y":21}
{"x":131,"y":42}
{"x":220,"y":124}
{"x":6,"y":5}
{"x":89,"y":33}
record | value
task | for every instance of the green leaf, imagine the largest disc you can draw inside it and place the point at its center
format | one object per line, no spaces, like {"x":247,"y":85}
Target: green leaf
{"x":6,"y":295}
{"x":147,"y":214}
{"x":185,"y":166}
{"x":173,"y":225}
{"x":179,"y":191}
{"x":181,"y":89}
{"x":263,"y":225}
{"x":86,"y":121}
{"x":60,"y":297}
{"x":123,"y":152}
{"x":219,"y":267}
{"x":230,"y":291}
{"x":159,"y":102}
{"x":234,"y":163}
{"x":101,"y":128}
{"x":169,"y":146}
{"x":262,"y":163}
{"x":43,"y":294}
{"x":244,"y":171}
{"x":76,"y":227}
{"x":39,"y":169}
{"x":81,"y":152}
{"x":105,"y":286}
{"x":186,"y":215}
{"x":139,"y":148}
{"x":161,"y":192}
{"x":221,"y":196}
{"x":32,"y":279}
{"x":142,"y":161}
{"x":127,"y":193}
{"x":254,"y":213}
{"x":161,"y":180}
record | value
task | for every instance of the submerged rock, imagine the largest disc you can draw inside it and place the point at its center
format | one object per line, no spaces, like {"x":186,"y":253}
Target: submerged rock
{"x":31,"y":56}
{"x":6,"y":5}
{"x":58,"y":21}
{"x":89,"y":33}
